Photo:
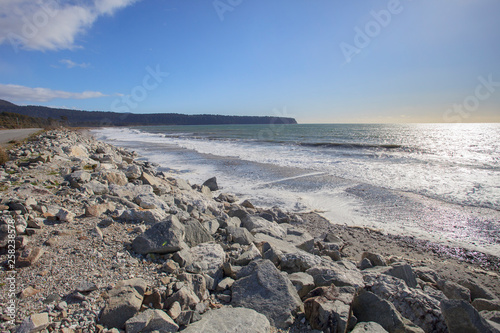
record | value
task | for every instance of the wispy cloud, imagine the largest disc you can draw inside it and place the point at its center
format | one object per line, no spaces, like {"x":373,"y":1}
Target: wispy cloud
{"x":49,"y":24}
{"x":12,"y":92}
{"x":70,"y":64}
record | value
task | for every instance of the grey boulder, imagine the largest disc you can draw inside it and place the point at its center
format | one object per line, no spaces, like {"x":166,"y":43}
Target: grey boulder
{"x":163,"y":237}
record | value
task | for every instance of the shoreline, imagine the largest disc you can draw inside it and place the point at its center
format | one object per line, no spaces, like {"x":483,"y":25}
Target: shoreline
{"x":89,"y":228}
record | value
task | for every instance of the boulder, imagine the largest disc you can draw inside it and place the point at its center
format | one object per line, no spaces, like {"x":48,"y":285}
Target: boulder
{"x":240,"y":235}
{"x":78,"y":178}
{"x":340,"y":273}
{"x":29,"y":256}
{"x":303,"y":283}
{"x":230,"y":320}
{"x":477,"y":290}
{"x":481,"y":304}
{"x":163,"y":237}
{"x":211,"y":184}
{"x":419,"y":307}
{"x":98,"y":210}
{"x":114,"y":177}
{"x":150,"y":201}
{"x":300,"y":238}
{"x":130,"y":191}
{"x":133,"y":172}
{"x":453,"y":290}
{"x":151,"y":180}
{"x":149,"y":321}
{"x":460,"y":316}
{"x":65,"y":215}
{"x":195,"y":233}
{"x":185,"y":296}
{"x":299,"y":261}
{"x":96,"y":187}
{"x":246,"y":257}
{"x":34,"y":323}
{"x":256,"y":224}
{"x":263,"y":288}
{"x":375,"y":259}
{"x":195,"y":282}
{"x":123,"y":303}
{"x":367,"y":307}
{"x":207,"y":258}
{"x":211,"y":226}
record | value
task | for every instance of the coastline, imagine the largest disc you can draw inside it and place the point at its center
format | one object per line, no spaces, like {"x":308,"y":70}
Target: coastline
{"x":92,"y":239}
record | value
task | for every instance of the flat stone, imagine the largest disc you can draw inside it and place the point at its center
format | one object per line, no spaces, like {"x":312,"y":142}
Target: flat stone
{"x":34,"y":323}
{"x":257,"y":224}
{"x":207,"y":258}
{"x":230,"y":320}
{"x":29,"y":256}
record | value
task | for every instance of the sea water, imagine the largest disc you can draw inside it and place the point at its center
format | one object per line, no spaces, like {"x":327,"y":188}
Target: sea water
{"x":439,"y":182}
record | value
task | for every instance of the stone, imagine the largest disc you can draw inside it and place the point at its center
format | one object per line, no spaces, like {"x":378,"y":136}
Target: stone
{"x":151,"y":201}
{"x":124,"y":302}
{"x":365,"y":264}
{"x":230,"y":320}
{"x":196,"y":283}
{"x":133,"y":172}
{"x":246,"y":257}
{"x":175,"y":310}
{"x":491,"y":316}
{"x":149,"y":321}
{"x":426,"y":274}
{"x":368,"y":327}
{"x":130,"y":191}
{"x":257,"y":224}
{"x":328,"y":314}
{"x":185,"y":296}
{"x":460,"y":316}
{"x":340,"y":273}
{"x":240,"y":235}
{"x":303,"y":283}
{"x":153,"y":299}
{"x":151,"y":180}
{"x":477,"y":290}
{"x":34,"y":323}
{"x":65,"y":215}
{"x":96,"y":187}
{"x":375,"y":259}
{"x":367,"y":307}
{"x":183,"y":257}
{"x":86,"y":286}
{"x":225,"y":284}
{"x":247,"y":204}
{"x":414,"y":304}
{"x":227,"y":197}
{"x":114,"y":177}
{"x":300,"y":238}
{"x":195,"y":233}
{"x":78,"y":178}
{"x":163,"y":237}
{"x":404,"y":272}
{"x":481,"y":304}
{"x":28,"y":292}
{"x":207,"y":258}
{"x":453,"y":290}
{"x":299,"y":261}
{"x":263,"y":288}
{"x":29,"y":256}
{"x":77,"y":151}
{"x":99,"y":209}
{"x":211,"y":184}
{"x":211,"y":226}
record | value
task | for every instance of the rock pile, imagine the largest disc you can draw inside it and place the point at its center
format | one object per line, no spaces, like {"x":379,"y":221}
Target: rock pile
{"x":106,"y":242}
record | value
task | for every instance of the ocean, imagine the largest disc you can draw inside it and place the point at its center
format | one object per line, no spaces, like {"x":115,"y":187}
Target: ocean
{"x":438,"y":182}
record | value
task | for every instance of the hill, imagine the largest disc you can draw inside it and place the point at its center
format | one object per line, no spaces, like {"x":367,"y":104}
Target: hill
{"x":15,"y":120}
{"x":101,"y":118}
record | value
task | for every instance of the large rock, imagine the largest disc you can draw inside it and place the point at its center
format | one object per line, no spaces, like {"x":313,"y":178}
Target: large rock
{"x":453,"y":290}
{"x":78,"y":178}
{"x":299,"y":261}
{"x":303,"y":282}
{"x":263,"y":288}
{"x":96,"y":187}
{"x":133,"y":172}
{"x":196,"y":233}
{"x":367,"y":306}
{"x":34,"y":323}
{"x":477,"y":290}
{"x":230,"y":320}
{"x":114,"y":177}
{"x":257,"y":224}
{"x":419,"y":307}
{"x":163,"y":237}
{"x":207,"y":258}
{"x":124,"y":302}
{"x":461,"y":317}
{"x":149,"y":321}
{"x":130,"y":191}
{"x":375,"y":259}
{"x":240,"y":235}
{"x":151,"y":201}
{"x":341,"y":273}
{"x":300,"y":238}
{"x":211,"y":184}
{"x":400,"y":271}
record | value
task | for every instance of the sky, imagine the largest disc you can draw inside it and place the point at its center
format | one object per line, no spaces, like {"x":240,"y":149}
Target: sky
{"x":317,"y":61}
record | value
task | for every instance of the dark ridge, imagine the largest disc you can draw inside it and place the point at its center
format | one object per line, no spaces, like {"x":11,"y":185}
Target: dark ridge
{"x":101,"y":118}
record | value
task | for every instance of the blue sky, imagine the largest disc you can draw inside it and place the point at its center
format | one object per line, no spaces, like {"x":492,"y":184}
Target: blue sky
{"x":318,"y":61}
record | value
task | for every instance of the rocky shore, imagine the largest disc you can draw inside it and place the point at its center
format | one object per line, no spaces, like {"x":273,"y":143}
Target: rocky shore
{"x":94,"y":239}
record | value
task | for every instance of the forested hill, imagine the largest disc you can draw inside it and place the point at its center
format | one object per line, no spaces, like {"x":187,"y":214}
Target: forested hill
{"x":99,"y":118}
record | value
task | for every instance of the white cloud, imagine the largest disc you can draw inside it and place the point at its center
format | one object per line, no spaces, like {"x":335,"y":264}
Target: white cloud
{"x":71,"y":64}
{"x":12,"y":92}
{"x":51,"y":24}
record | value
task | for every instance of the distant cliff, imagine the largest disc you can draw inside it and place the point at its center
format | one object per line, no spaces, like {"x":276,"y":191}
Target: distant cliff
{"x":99,"y":118}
